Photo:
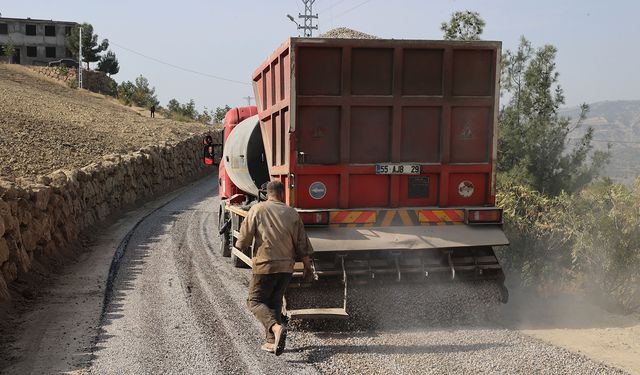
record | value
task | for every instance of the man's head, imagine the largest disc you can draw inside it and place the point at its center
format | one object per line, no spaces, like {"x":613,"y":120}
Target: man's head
{"x":275,"y":190}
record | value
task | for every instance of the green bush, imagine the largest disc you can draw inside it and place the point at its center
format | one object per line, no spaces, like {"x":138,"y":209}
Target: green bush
{"x":72,"y":83}
{"x":62,"y":70}
{"x":603,"y":225}
{"x":176,"y":116}
{"x":588,"y":241}
{"x":138,"y":93}
{"x":538,"y":254}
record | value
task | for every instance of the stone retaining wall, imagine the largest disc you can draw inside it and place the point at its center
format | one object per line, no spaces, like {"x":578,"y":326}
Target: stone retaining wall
{"x":56,"y":73}
{"x":93,"y":80}
{"x":43,"y":217}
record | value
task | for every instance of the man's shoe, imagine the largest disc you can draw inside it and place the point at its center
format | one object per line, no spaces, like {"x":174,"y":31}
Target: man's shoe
{"x":281,"y":338}
{"x":268,"y":347}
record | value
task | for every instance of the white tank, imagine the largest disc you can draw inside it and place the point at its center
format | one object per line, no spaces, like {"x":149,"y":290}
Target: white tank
{"x":244,"y":158}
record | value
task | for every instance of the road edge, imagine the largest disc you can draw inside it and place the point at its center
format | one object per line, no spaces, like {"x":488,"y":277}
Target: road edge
{"x":60,"y":331}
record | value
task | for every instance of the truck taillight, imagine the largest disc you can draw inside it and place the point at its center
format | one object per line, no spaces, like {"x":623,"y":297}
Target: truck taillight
{"x":485,"y":216}
{"x":315,"y":218}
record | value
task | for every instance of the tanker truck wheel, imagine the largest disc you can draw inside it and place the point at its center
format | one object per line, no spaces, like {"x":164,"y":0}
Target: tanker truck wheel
{"x":225,"y":233}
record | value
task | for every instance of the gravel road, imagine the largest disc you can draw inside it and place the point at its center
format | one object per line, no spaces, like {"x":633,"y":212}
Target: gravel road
{"x":177,"y":307}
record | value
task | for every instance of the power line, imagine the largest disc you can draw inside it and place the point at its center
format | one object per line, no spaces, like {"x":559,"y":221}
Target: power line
{"x":180,"y":67}
{"x":332,"y":6}
{"x":352,"y":8}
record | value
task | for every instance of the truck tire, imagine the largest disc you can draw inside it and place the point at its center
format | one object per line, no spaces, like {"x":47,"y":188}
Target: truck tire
{"x":225,"y":236}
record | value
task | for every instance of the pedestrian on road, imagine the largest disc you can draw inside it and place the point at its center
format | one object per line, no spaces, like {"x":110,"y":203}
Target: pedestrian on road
{"x":280,"y":239}
{"x":153,"y":110}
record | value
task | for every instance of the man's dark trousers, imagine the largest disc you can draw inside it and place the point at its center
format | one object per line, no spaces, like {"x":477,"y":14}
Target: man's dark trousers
{"x":265,"y":299}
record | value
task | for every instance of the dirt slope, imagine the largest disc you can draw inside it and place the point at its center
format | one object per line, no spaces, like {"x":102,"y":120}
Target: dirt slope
{"x":45,"y":126}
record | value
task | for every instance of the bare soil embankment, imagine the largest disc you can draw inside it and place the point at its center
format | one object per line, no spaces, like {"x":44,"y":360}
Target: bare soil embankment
{"x":45,"y":126}
{"x":69,"y":159}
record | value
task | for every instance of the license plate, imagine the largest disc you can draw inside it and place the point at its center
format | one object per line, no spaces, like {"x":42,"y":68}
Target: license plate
{"x":397,"y":169}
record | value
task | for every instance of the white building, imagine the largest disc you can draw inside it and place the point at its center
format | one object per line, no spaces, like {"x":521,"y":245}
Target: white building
{"x":36,"y":41}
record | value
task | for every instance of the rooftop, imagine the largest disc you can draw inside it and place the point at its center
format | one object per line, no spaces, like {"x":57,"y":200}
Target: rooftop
{"x":35,"y":20}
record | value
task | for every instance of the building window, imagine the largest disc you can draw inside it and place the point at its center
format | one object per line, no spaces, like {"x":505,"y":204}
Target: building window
{"x":32,"y":51}
{"x":50,"y":52}
{"x":30,"y":30}
{"x":4,"y":28}
{"x":50,"y":30}
{"x":67,"y":30}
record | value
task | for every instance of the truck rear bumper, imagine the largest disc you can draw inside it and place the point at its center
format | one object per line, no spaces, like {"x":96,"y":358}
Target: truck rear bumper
{"x":405,"y":237}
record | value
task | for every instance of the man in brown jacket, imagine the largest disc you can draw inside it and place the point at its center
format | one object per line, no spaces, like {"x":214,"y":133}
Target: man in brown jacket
{"x":280,"y":238}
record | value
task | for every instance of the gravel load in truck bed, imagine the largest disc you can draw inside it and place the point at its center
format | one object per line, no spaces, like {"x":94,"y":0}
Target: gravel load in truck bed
{"x":346,"y":33}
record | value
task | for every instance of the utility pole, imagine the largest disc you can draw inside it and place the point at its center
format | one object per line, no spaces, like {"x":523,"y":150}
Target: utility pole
{"x":307,"y":18}
{"x":248,"y":99}
{"x":80,"y":59}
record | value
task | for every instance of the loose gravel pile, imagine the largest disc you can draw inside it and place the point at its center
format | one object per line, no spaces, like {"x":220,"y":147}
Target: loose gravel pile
{"x":425,"y":328}
{"x":346,"y":33}
{"x":45,"y":125}
{"x":400,"y":306}
{"x":450,"y":350}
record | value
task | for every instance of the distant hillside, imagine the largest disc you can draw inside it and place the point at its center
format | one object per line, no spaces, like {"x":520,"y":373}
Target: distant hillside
{"x":45,"y":125}
{"x":618,"y":122}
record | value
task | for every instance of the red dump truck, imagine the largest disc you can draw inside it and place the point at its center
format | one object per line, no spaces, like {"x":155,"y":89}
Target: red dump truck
{"x":387,"y":149}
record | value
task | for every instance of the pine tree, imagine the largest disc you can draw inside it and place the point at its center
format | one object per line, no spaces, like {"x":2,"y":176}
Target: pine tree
{"x":464,"y":25}
{"x":109,"y":64}
{"x":533,"y":144}
{"x":90,"y":48}
{"x":219,"y":114}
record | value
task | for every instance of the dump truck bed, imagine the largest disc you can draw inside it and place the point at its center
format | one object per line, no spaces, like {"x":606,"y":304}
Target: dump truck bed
{"x":355,"y":123}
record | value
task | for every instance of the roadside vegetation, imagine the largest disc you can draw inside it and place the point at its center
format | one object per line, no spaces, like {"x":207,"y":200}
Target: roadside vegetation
{"x":188,"y":112}
{"x":570,"y":230}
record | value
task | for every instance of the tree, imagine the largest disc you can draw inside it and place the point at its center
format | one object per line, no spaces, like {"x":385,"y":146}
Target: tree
{"x":173,"y":106}
{"x":138,"y":93}
{"x":9,"y":50}
{"x":143,"y":94}
{"x":219,"y":114}
{"x":205,"y":116}
{"x":185,"y":112}
{"x":464,"y":25}
{"x":189,"y":110}
{"x":125,"y":92}
{"x":90,"y":48}
{"x":534,"y":146}
{"x":109,"y":64}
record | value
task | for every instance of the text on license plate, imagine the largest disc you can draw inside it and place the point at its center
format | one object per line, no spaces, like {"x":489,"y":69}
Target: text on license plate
{"x":397,"y":169}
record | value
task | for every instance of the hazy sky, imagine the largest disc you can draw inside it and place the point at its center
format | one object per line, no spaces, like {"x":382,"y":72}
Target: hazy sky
{"x":598,"y":57}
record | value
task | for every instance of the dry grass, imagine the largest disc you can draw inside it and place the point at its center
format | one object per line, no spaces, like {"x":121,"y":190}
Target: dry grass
{"x":45,"y":125}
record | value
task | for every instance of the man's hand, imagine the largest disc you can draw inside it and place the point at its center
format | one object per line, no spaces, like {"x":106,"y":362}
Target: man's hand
{"x":308,"y":273}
